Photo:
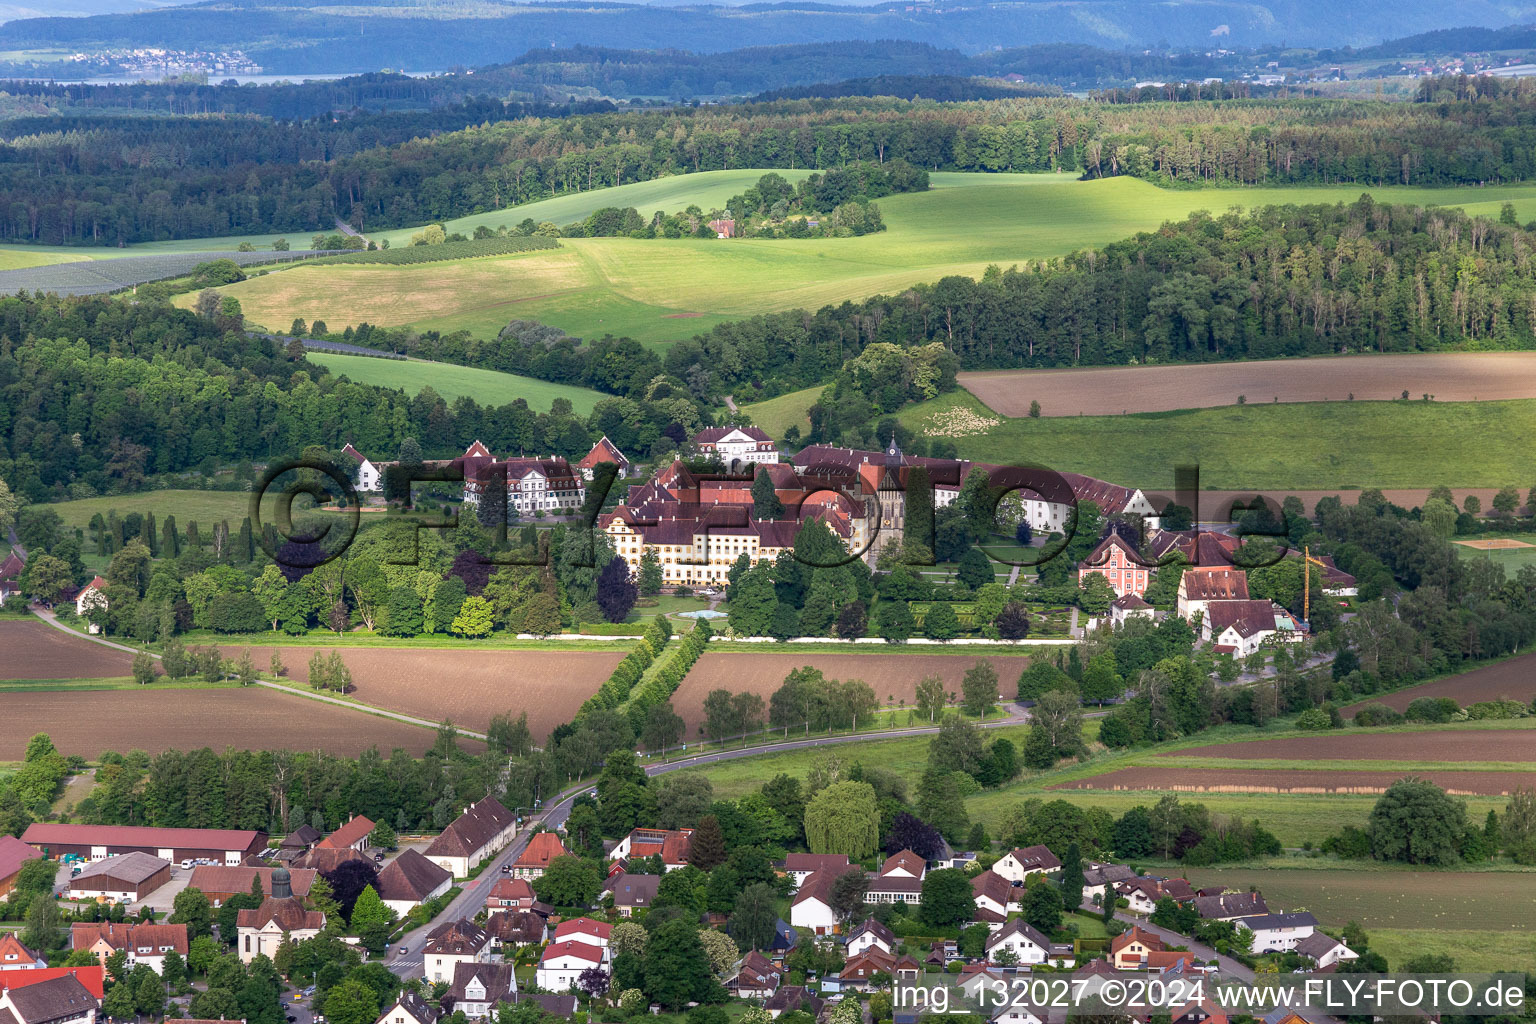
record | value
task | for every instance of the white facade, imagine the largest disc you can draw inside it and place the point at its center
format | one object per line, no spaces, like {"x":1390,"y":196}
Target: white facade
{"x":864,"y":940}
{"x":1015,"y":869}
{"x":368,"y":476}
{"x":813,"y":914}
{"x":1278,"y":932}
{"x":1025,"y":947}
{"x":739,"y":446}
{"x":564,"y":962}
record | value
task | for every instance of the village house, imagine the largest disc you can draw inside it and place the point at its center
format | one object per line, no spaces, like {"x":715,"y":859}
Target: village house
{"x":10,"y":577}
{"x":1129,"y":950}
{"x":298,"y":842}
{"x":994,"y":896}
{"x":123,"y":879}
{"x":1202,"y":584}
{"x":410,"y":880}
{"x":14,"y":855}
{"x":15,"y":956}
{"x":143,"y":943}
{"x":671,"y":846}
{"x":483,"y":830}
{"x":1027,"y":943}
{"x":351,"y":836}
{"x":982,"y":981}
{"x":1098,"y":879}
{"x":60,"y":1000}
{"x":897,"y":887}
{"x":410,"y":1008}
{"x":1117,"y":561}
{"x":563,"y":962}
{"x":1324,"y":950}
{"x":542,"y":848}
{"x":510,"y":894}
{"x":452,"y":943}
{"x":753,"y":977}
{"x":91,"y":598}
{"x":870,"y":935}
{"x":603,"y":451}
{"x":904,"y":864}
{"x":1018,"y":865}
{"x":94,"y":977}
{"x":280,"y":918}
{"x":369,"y":477}
{"x":793,"y":997}
{"x":1241,"y":627}
{"x":632,"y":892}
{"x":584,"y":929}
{"x":1229,"y":906}
{"x":1278,"y":933}
{"x":478,"y":988}
{"x":800,"y":866}
{"x":812,"y":906}
{"x":864,"y":970}
{"x":514,"y":928}
{"x":1131,"y":606}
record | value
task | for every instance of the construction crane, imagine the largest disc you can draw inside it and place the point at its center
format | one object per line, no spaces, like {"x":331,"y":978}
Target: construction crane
{"x":1307,"y":562}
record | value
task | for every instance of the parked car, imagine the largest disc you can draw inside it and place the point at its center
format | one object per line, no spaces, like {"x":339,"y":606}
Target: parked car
{"x":404,"y":950}
{"x":506,"y":869}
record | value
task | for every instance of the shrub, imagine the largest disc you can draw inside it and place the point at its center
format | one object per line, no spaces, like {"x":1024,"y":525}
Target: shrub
{"x":1313,"y":720}
{"x":1491,"y":709}
{"x":1431,"y":709}
{"x":1376,"y":713}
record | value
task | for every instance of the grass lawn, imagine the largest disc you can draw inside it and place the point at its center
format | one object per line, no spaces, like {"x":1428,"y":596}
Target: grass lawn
{"x":776,"y":415}
{"x":660,"y":290}
{"x":488,"y":387}
{"x":186,"y":506}
{"x":1472,"y":949}
{"x":1512,"y":559}
{"x":1273,"y":447}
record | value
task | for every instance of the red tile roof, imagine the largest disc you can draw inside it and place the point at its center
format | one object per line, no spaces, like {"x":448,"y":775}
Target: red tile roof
{"x":543,"y":847}
{"x":13,"y":854}
{"x":351,"y":832}
{"x":93,"y":977}
{"x":583,"y":926}
{"x":129,"y":936}
{"x":1215,"y":583}
{"x":44,"y":833}
{"x":571,"y":947}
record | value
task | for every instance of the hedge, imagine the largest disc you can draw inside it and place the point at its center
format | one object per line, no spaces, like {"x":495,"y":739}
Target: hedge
{"x":666,"y":677}
{"x":616,"y":688}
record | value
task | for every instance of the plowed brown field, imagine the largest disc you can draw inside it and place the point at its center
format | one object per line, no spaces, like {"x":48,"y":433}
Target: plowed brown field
{"x":1259,"y":780}
{"x":1450,"y":377}
{"x":1513,"y":678}
{"x":36,"y":650}
{"x":1359,"y":745}
{"x":89,"y":722}
{"x":893,"y":676}
{"x":466,"y":686}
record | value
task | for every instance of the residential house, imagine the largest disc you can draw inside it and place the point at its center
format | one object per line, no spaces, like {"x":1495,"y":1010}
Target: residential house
{"x":60,"y":1000}
{"x":483,"y":830}
{"x":451,"y":943}
{"x":584,"y":929}
{"x":736,"y":444}
{"x":1089,"y":979}
{"x":632,"y":892}
{"x":1239,"y":628}
{"x":478,"y":988}
{"x":1229,"y":906}
{"x":563,"y":962}
{"x":897,"y":887}
{"x":753,"y":977}
{"x":219,"y":882}
{"x":604,"y":451}
{"x":280,"y":918}
{"x":1098,"y":879}
{"x":982,"y":982}
{"x":1278,"y":933}
{"x":863,"y":970}
{"x":126,"y":878}
{"x":1117,"y":560}
{"x":812,"y":906}
{"x":10,"y":576}
{"x":351,"y":836}
{"x":542,"y":848}
{"x":14,"y":854}
{"x":793,"y":997}
{"x":1200,"y":1011}
{"x":1014,"y":1011}
{"x":671,"y":845}
{"x":905,"y":864}
{"x":1177,"y":889}
{"x":994,"y":895}
{"x":515,"y":928}
{"x":1027,"y":943}
{"x":800,"y":866}
{"x":369,"y":476}
{"x":1018,"y":865}
{"x":14,"y":956}
{"x":143,"y":943}
{"x":410,"y":1008}
{"x":870,"y":935}
{"x":1131,"y":606}
{"x":410,"y":880}
{"x":91,"y":598}
{"x":1129,"y":950}
{"x":510,"y":894}
{"x":1325,"y":950}
{"x":941,"y":953}
{"x":1202,"y":584}
{"x":1140,"y":895}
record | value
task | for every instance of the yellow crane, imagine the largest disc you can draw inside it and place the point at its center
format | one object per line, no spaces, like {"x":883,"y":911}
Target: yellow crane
{"x":1307,"y":562}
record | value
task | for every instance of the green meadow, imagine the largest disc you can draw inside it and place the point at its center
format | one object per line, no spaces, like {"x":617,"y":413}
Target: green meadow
{"x":488,"y":387}
{"x":661,"y":290}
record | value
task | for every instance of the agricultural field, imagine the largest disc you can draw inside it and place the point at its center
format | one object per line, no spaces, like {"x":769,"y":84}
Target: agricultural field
{"x":157,"y":720}
{"x":1400,"y":445}
{"x":1434,"y":744}
{"x":1448,"y":377}
{"x":661,"y":290}
{"x":35,"y":650}
{"x":1512,"y":679}
{"x":1484,"y":917}
{"x":16,"y":259}
{"x":409,"y":255}
{"x":893,"y":676}
{"x":488,"y":387}
{"x":94,"y":277}
{"x":464,"y":686}
{"x":1196,"y":782}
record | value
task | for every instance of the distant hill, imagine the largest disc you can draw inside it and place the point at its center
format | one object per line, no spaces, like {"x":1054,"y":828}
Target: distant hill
{"x":79,"y":8}
{"x":944,"y":88}
{"x":311,"y":36}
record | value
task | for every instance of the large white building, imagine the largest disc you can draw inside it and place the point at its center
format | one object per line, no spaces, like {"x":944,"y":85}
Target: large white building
{"x":736,"y":444}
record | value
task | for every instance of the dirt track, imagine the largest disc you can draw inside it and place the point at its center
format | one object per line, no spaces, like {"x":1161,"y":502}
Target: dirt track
{"x":1361,"y":745}
{"x":35,"y":650}
{"x":1448,"y":376}
{"x":87,"y":722}
{"x":893,"y":676}
{"x":1514,"y":679}
{"x":1259,"y":780}
{"x":465,"y":686}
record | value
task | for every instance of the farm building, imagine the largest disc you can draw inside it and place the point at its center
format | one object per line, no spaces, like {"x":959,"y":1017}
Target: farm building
{"x":411,"y":879}
{"x":219,"y":882}
{"x":130,"y":876}
{"x":13,"y":855}
{"x":10,"y":577}
{"x":298,"y":842}
{"x":92,"y":598}
{"x":97,"y":842}
{"x":60,"y":1000}
{"x":143,"y":943}
{"x":351,"y":836}
{"x":1202,"y":584}
{"x":483,"y":830}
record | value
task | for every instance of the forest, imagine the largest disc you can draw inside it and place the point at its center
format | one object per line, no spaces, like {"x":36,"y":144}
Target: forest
{"x":91,"y":185}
